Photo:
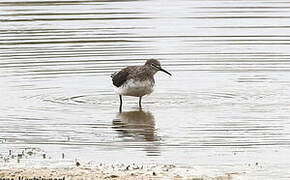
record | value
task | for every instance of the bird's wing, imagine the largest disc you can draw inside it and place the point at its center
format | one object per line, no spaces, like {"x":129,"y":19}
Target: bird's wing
{"x":120,"y":77}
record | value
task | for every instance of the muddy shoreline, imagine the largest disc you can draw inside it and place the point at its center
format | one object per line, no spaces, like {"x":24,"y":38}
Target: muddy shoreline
{"x":36,"y":164}
{"x":112,"y":172}
{"x":32,"y":164}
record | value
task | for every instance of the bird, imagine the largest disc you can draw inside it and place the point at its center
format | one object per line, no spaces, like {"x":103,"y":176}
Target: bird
{"x":136,"y":81}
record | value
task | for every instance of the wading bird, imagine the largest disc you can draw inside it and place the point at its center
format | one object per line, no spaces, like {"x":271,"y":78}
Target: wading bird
{"x":136,"y":80}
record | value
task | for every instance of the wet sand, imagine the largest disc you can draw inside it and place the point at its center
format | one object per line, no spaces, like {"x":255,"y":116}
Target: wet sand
{"x":115,"y":172}
{"x":30,"y":163}
{"x":34,"y":163}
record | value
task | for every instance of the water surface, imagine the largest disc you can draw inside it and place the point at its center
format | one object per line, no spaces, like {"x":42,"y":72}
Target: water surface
{"x":226,"y":107}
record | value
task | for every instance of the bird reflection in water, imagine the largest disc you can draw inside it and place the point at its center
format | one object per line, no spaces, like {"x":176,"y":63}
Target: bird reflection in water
{"x":138,"y":126}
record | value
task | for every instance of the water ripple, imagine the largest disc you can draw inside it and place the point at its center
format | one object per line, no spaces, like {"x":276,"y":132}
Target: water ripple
{"x":226,"y":103}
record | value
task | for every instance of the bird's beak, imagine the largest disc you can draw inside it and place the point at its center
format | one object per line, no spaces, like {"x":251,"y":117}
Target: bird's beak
{"x":164,"y":71}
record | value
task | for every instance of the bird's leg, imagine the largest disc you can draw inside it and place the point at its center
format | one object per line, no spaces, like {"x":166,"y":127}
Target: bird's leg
{"x":140,"y":99}
{"x":121,"y":102}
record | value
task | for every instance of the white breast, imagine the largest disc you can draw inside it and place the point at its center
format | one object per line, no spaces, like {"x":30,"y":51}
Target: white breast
{"x":135,"y":88}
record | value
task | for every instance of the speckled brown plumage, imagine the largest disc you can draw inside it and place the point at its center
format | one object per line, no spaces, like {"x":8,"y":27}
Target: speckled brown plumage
{"x":136,"y":80}
{"x":138,"y":73}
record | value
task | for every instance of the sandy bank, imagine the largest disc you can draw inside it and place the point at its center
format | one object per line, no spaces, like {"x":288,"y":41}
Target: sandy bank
{"x":114,"y":172}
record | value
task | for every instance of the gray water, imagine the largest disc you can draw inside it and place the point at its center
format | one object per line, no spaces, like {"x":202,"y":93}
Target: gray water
{"x":226,"y":107}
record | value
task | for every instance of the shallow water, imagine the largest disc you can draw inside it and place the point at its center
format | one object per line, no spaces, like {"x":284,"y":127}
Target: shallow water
{"x":226,"y":107}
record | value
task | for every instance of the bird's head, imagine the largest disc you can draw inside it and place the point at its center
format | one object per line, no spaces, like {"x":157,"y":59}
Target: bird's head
{"x":155,"y":65}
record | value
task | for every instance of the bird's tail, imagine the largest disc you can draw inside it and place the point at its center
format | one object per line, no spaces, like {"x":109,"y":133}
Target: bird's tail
{"x":113,"y":74}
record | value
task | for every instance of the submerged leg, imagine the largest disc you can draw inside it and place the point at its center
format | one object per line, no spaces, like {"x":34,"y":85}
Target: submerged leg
{"x":140,"y":99}
{"x":121,"y":102}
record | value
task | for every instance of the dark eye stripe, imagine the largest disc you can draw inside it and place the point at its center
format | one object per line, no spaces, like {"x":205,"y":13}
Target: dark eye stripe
{"x":155,"y":66}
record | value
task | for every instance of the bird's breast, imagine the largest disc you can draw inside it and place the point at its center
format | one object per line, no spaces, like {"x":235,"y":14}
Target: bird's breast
{"x":136,"y":88}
